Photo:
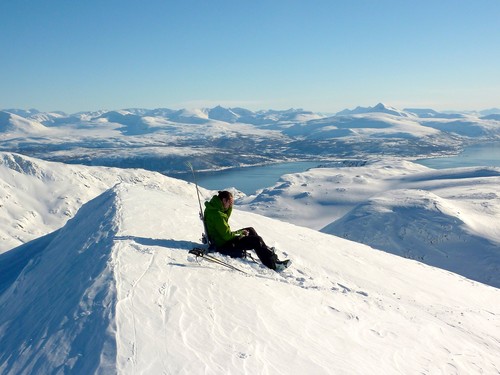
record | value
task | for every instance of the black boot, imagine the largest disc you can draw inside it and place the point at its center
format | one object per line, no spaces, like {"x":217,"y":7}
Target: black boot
{"x":281,"y":265}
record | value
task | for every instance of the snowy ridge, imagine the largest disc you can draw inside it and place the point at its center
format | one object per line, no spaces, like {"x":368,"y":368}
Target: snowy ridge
{"x":131,"y":300}
{"x":38,"y":197}
{"x":63,"y":297}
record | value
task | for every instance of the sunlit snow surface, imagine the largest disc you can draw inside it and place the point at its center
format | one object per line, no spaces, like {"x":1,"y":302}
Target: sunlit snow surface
{"x":446,"y":218}
{"x":115,"y":290}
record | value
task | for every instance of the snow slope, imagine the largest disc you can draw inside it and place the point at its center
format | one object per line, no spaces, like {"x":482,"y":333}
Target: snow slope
{"x":38,"y":197}
{"x":445,"y":218}
{"x":319,"y":196}
{"x":130,"y":299}
{"x":59,"y":296}
{"x":14,"y":125}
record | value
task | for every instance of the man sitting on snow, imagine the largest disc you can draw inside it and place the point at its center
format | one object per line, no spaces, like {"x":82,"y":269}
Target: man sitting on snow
{"x":234,"y":244}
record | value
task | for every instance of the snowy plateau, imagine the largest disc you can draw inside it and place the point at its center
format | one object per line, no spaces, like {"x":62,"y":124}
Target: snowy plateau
{"x":395,"y":265}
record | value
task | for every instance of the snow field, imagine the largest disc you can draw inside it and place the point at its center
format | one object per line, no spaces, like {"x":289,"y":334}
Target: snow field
{"x":349,"y":311}
{"x":446,"y":218}
{"x":132,"y":300}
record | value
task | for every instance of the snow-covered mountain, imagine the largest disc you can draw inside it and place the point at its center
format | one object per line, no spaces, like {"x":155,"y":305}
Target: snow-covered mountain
{"x":12,"y":124}
{"x":430,"y":113}
{"x":490,"y":111}
{"x":161,"y":139}
{"x":446,"y":218}
{"x":223,"y":114}
{"x":366,"y":126}
{"x":115,"y":291}
{"x":379,"y":108}
{"x":38,"y":197}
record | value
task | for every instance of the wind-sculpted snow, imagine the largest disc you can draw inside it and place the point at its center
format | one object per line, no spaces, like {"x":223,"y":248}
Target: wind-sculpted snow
{"x":57,"y":315}
{"x":115,"y":291}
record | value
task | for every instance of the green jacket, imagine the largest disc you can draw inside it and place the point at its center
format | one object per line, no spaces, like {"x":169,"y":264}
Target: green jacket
{"x":216,"y":220}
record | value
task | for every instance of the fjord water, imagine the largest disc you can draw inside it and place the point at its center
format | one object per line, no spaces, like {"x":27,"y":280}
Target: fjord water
{"x":487,"y":154}
{"x":250,"y":179}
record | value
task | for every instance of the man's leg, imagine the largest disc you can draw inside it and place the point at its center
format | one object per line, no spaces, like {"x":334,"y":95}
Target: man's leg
{"x":266,"y":256}
{"x":232,"y":251}
{"x":236,"y":248}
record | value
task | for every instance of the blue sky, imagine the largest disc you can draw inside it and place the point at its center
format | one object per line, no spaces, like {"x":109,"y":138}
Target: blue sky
{"x":321,"y":55}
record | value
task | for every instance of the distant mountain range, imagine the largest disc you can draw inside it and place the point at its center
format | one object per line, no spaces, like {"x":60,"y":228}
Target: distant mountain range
{"x":233,"y":114}
{"x":163,"y":139}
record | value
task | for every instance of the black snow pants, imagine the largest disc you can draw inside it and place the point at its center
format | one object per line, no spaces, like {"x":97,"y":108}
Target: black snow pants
{"x":236,"y":248}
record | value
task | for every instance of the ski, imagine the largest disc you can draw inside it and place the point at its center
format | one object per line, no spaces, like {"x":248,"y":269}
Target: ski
{"x":201,"y":253}
{"x":204,"y":236}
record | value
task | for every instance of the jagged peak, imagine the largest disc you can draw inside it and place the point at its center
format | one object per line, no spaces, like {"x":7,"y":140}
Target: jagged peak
{"x":379,"y":108}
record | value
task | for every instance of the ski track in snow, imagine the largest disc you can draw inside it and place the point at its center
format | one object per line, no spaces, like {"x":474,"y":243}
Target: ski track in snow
{"x":291,"y":277}
{"x":361,"y":330}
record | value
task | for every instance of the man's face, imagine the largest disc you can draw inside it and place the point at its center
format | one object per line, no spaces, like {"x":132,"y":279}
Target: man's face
{"x":227,"y":203}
